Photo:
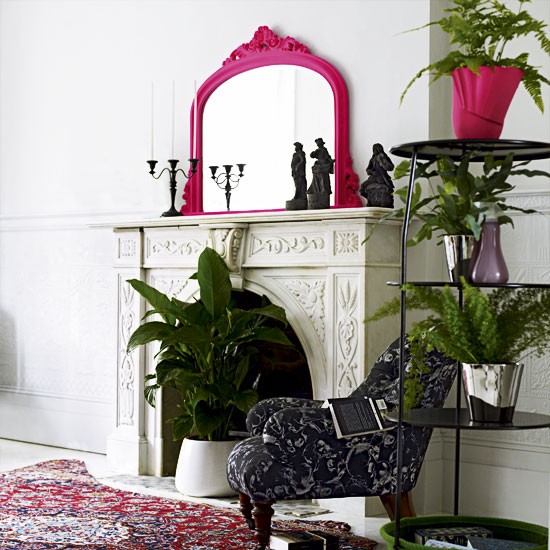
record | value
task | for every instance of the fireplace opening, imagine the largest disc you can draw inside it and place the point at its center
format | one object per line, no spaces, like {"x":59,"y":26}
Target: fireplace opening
{"x":277,"y":371}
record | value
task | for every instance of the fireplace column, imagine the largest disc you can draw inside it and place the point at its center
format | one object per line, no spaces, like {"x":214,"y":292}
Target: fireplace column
{"x":127,"y":445}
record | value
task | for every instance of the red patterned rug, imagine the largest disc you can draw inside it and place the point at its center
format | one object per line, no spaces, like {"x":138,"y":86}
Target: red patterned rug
{"x":58,"y":504}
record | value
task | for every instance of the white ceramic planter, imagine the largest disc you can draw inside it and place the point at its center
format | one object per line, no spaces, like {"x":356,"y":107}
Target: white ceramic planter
{"x":201,"y":470}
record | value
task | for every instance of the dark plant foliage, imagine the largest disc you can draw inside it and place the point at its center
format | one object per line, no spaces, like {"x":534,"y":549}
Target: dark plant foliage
{"x":205,"y":349}
{"x":457,"y":203}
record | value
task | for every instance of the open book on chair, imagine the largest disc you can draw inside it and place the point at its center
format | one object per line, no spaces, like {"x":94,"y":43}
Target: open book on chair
{"x":354,"y":416}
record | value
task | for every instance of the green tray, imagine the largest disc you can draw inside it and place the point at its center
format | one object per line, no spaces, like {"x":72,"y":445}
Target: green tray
{"x":502,"y":529}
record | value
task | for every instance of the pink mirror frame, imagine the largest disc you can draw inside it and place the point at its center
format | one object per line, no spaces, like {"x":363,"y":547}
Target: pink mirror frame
{"x":266,"y":48}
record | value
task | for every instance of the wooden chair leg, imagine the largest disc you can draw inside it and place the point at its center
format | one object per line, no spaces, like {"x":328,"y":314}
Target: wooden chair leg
{"x":246,"y":509}
{"x":262,"y":513}
{"x":407,"y":507}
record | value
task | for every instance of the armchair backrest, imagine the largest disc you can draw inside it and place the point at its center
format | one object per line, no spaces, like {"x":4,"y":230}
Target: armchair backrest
{"x":383,"y":380}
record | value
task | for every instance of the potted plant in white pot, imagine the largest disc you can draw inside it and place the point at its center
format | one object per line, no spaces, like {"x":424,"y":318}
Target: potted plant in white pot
{"x":454,"y":207}
{"x":205,"y":352}
{"x":484,"y":81}
{"x":490,"y":334}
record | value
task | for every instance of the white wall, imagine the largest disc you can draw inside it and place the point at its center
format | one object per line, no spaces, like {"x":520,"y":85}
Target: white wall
{"x":75,"y":111}
{"x":75,"y":80}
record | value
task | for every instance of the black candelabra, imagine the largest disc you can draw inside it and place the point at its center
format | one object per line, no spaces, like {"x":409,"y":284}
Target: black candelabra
{"x":227,"y":181}
{"x":173,"y":171}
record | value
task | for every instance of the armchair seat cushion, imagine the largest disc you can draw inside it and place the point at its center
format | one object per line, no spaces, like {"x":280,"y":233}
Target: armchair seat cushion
{"x":253,"y":471}
{"x":318,"y":465}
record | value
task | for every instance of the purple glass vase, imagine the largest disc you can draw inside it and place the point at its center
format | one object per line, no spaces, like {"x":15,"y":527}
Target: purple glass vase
{"x":490,"y":266}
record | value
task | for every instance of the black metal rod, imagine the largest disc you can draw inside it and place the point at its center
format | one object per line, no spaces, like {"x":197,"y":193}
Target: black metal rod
{"x":458,"y":404}
{"x":457,"y":444}
{"x":456,"y":492}
{"x":403,"y":311}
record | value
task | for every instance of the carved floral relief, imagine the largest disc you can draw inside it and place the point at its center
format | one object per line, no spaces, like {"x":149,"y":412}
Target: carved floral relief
{"x":127,"y":248}
{"x":346,"y":242}
{"x":171,"y":247}
{"x":347,"y":336}
{"x":286,"y":245}
{"x":173,"y":288}
{"x":311,"y":295}
{"x":128,"y":321}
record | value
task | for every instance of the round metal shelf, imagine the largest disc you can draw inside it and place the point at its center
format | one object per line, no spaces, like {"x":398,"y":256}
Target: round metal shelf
{"x":451,"y":418}
{"x":457,"y":148}
{"x":480,"y":285}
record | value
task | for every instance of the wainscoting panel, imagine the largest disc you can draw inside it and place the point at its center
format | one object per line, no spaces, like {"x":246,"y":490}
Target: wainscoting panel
{"x":57,"y":332}
{"x":499,"y":479}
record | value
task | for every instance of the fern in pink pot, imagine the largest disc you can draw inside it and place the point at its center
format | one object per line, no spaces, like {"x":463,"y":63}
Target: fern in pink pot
{"x":484,"y":80}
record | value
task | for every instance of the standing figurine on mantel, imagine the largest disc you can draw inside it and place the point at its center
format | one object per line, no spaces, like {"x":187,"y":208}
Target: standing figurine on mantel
{"x":298,"y":168}
{"x":318,"y":194}
{"x":378,"y":188}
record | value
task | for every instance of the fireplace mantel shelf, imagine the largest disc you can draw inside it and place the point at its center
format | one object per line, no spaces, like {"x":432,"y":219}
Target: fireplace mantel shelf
{"x":272,"y":216}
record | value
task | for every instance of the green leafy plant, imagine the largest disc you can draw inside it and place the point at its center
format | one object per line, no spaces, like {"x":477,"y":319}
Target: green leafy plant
{"x":205,"y":350}
{"x":457,"y":204}
{"x":505,"y":325}
{"x":480,"y":30}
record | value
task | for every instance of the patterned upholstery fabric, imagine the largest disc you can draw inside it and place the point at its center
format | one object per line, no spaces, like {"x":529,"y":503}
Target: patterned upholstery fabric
{"x":294,"y":453}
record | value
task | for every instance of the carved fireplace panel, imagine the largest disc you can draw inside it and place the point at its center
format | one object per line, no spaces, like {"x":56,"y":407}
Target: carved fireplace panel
{"x":311,"y":263}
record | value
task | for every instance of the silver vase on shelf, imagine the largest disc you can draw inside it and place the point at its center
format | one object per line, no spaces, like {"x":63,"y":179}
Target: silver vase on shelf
{"x":491,"y":390}
{"x":460,"y":254}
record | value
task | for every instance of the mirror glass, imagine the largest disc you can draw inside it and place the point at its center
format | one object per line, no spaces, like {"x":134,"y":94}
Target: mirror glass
{"x":254,"y":118}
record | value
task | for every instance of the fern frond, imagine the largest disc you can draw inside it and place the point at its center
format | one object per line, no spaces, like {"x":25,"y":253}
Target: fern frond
{"x":502,"y":326}
{"x":483,"y":325}
{"x":532,"y":83}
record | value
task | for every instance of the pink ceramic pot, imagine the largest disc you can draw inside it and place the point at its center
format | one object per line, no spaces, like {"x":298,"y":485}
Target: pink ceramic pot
{"x":480,"y":102}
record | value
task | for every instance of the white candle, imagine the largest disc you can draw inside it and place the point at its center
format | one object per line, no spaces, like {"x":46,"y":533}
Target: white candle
{"x":195,"y":123}
{"x":152,"y":121}
{"x":173,"y":114}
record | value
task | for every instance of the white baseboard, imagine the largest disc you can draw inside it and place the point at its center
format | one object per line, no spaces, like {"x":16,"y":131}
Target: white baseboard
{"x":56,"y":421}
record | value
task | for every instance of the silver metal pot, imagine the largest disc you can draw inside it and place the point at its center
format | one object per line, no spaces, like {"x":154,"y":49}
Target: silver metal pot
{"x":459,"y":251}
{"x":491,"y":390}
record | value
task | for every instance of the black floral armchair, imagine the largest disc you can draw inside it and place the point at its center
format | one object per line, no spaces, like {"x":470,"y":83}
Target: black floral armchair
{"x":293,"y":452}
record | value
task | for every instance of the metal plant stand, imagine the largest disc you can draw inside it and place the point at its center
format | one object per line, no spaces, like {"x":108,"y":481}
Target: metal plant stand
{"x":457,"y":418}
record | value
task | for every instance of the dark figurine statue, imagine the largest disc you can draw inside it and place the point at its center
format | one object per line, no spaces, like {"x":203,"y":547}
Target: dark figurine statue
{"x":319,"y":191}
{"x":378,"y":187}
{"x":298,"y":169}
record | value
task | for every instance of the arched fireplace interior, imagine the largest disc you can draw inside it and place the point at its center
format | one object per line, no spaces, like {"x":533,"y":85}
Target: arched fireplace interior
{"x":277,"y":370}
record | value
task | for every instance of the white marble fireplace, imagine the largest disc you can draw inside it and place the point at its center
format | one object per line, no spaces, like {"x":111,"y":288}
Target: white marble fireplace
{"x":312,"y":263}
